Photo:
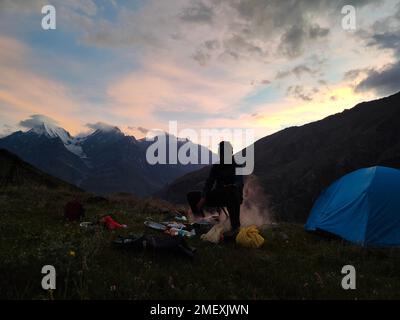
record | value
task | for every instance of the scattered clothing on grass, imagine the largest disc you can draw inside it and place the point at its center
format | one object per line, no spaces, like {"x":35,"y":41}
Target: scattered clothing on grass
{"x":111,"y":224}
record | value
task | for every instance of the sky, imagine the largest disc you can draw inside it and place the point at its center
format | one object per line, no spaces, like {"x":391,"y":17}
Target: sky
{"x":137,"y":64}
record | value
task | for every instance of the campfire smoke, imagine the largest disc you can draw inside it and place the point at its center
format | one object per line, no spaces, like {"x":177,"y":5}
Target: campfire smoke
{"x":254,"y":209}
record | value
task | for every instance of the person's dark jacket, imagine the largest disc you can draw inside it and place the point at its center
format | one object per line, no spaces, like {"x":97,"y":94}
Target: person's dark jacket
{"x":223,"y":175}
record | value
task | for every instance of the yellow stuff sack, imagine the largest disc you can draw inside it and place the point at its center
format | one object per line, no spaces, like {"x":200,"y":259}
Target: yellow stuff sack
{"x":249,"y":237}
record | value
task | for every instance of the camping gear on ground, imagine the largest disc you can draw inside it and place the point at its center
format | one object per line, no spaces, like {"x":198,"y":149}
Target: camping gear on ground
{"x":181,"y":218}
{"x":176,"y":215}
{"x":156,"y":244}
{"x":180,"y":232}
{"x":155,"y":225}
{"x":88,"y":225}
{"x":74,"y":211}
{"x":202,"y":227}
{"x":216,"y":233}
{"x":172,"y":228}
{"x":131,"y":242}
{"x":362,"y":207}
{"x":176,"y":225}
{"x":249,"y":237}
{"x":111,"y":224}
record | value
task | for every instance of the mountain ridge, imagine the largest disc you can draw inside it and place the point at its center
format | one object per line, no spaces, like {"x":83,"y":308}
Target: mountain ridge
{"x":104,"y":161}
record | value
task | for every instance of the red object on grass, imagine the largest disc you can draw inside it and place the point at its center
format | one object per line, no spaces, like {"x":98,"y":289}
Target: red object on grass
{"x":111,"y":224}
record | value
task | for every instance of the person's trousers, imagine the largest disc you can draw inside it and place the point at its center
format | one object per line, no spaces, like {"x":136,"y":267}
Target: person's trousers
{"x":227,"y":197}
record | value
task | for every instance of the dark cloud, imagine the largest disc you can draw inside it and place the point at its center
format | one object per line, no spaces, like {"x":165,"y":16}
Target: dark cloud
{"x":312,"y":67}
{"x":212,"y":44}
{"x":201,"y":57}
{"x":229,"y":55}
{"x":204,"y":53}
{"x":292,"y":42}
{"x":256,"y":24}
{"x":297,"y":71}
{"x":387,"y":40}
{"x":198,"y":13}
{"x":36,"y":120}
{"x":302,"y":69}
{"x":384,"y":34}
{"x":235,"y":46}
{"x":283,"y":74}
{"x":384,"y":82}
{"x":299,"y":92}
{"x":291,"y":11}
{"x":316,"y":32}
{"x":241,"y":45}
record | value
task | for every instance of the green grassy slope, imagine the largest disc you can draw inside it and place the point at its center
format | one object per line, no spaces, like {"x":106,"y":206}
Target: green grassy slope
{"x":291,"y":265}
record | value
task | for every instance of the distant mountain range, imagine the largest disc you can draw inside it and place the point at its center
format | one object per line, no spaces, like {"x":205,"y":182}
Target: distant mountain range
{"x":104,"y":161}
{"x":294,"y":165}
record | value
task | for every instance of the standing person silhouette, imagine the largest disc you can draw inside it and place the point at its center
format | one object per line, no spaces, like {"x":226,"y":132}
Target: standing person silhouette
{"x":223,"y":188}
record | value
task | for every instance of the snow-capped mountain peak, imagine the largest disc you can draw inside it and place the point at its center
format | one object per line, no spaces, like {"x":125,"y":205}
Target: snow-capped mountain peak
{"x":52,"y":131}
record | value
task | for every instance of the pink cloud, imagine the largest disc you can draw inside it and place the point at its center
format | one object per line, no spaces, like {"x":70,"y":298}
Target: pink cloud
{"x":168,"y":86}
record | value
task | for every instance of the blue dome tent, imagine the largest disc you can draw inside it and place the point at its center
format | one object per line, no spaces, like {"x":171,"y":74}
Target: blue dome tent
{"x":362,"y":207}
